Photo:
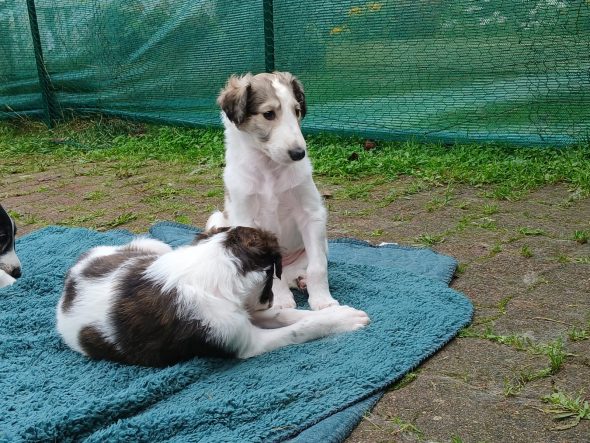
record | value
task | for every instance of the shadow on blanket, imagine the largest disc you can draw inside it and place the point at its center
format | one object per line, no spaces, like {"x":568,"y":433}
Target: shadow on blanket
{"x":311,"y":392}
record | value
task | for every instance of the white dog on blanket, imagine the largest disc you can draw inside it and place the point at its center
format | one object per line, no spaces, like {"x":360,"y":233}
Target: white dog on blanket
{"x":268,"y":180}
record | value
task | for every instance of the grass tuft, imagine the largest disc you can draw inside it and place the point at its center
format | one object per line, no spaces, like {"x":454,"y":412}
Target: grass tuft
{"x":564,"y":406}
{"x":581,"y":237}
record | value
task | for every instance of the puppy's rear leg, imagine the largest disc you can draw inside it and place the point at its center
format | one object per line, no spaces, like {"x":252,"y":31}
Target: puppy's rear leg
{"x":313,"y":325}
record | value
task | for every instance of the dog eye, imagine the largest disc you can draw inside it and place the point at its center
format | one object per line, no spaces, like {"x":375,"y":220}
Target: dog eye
{"x":269,"y":115}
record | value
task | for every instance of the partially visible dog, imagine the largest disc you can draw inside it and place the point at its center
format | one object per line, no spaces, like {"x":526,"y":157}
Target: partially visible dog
{"x":268,"y":180}
{"x":10,"y":267}
{"x":146,"y":304}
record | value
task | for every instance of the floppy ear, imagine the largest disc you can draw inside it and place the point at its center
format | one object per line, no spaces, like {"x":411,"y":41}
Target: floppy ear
{"x":278,"y":265}
{"x":267,"y":296}
{"x":233,"y":99}
{"x":299,"y":95}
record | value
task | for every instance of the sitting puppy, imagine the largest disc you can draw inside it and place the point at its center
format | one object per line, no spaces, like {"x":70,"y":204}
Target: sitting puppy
{"x":9,"y":262}
{"x":146,"y":304}
{"x":268,"y":180}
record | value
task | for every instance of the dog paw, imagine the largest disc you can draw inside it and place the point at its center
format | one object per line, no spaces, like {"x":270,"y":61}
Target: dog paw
{"x":6,"y":279}
{"x":348,"y":319}
{"x":318,"y":303}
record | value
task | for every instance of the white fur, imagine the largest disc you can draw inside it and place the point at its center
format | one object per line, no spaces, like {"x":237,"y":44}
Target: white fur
{"x":5,"y":279}
{"x":211,"y":289}
{"x":268,"y":190}
{"x":91,"y":309}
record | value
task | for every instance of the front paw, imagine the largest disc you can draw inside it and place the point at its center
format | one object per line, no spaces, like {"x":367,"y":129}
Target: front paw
{"x":322,"y":302}
{"x":348,"y":319}
{"x":5,"y":279}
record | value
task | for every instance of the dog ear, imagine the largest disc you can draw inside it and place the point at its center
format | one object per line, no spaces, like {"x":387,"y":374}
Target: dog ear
{"x":278,"y":265}
{"x":267,"y":296}
{"x":299,"y":95}
{"x":233,"y":99}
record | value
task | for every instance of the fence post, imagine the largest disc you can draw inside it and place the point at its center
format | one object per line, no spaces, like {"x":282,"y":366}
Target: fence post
{"x":269,"y":35}
{"x":49,"y":101}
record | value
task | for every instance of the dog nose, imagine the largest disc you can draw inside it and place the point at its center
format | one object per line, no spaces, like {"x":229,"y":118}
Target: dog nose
{"x":296,"y":154}
{"x":15,"y":273}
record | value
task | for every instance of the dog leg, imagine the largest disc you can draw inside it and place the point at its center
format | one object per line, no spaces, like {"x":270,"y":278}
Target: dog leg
{"x":282,"y":295}
{"x":277,"y":318}
{"x":5,"y":279}
{"x":316,"y":278}
{"x":311,"y":326}
{"x":311,"y":222}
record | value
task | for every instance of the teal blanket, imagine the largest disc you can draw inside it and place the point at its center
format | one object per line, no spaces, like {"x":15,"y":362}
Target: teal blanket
{"x":52,"y":393}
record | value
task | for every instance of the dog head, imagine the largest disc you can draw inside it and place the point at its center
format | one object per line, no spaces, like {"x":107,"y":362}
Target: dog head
{"x":269,"y":108}
{"x":256,"y":251}
{"x":9,"y":262}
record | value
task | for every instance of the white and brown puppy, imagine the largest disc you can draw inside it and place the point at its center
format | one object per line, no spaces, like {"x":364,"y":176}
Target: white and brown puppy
{"x":268,"y":180}
{"x":146,"y":304}
{"x":10,"y":267}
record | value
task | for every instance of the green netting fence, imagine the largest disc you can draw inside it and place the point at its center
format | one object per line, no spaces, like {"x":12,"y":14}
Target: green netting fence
{"x":486,"y":70}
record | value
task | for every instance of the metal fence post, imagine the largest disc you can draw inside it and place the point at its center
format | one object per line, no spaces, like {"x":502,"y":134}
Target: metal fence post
{"x":47,"y":90}
{"x":269,"y":35}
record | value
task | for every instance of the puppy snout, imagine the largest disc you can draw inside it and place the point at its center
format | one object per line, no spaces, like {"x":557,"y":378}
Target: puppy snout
{"x":296,"y":153}
{"x":15,"y":273}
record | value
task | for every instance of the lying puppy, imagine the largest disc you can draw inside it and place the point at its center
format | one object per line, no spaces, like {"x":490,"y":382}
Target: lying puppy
{"x":10,"y":268}
{"x":146,"y":304}
{"x":268,"y":179}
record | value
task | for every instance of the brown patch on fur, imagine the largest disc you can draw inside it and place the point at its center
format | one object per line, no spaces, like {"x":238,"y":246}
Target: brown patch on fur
{"x":102,"y":266}
{"x":69,"y":293}
{"x":234,"y":97}
{"x":208,"y":234}
{"x":148,"y":330}
{"x":293,"y":82}
{"x":95,"y":345}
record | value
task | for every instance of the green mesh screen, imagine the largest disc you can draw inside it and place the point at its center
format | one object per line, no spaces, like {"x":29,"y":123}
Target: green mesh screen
{"x":486,"y":70}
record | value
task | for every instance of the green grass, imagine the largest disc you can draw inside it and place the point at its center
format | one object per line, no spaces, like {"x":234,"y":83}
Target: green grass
{"x":490,"y":209}
{"x":578,"y":334}
{"x":118,"y":221}
{"x":429,"y":240}
{"x":554,"y":351}
{"x":581,"y":237}
{"x":27,"y":219}
{"x":564,"y":406}
{"x":583,"y":260}
{"x":405,"y":380}
{"x":403,"y":426}
{"x":496,"y":249}
{"x":513,"y":386}
{"x":526,"y":251}
{"x":530,"y":231}
{"x":95,"y":195}
{"x":507,"y":171}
